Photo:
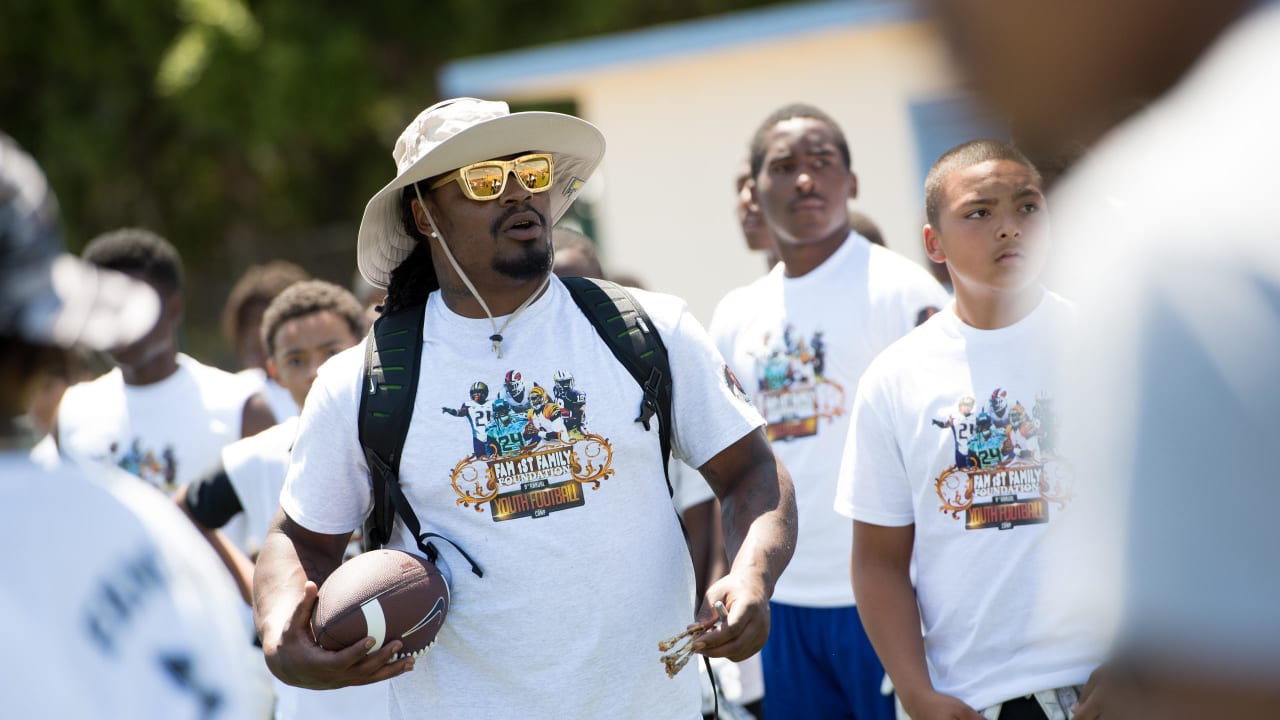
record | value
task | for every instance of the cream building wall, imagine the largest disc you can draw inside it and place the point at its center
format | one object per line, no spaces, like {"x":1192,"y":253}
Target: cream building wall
{"x":677,"y":128}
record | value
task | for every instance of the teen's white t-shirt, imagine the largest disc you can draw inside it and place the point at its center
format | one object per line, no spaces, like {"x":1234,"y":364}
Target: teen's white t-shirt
{"x":799,"y":345}
{"x":983,"y":517}
{"x":256,"y":467}
{"x":585,"y":567}
{"x":168,"y":433}
{"x":116,"y":607}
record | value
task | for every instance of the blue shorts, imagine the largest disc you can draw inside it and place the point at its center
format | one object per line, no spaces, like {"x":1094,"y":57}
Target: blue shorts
{"x":818,"y":663}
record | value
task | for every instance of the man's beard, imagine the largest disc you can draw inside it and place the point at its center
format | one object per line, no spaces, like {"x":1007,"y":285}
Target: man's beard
{"x":533,"y":263}
{"x":536,"y":259}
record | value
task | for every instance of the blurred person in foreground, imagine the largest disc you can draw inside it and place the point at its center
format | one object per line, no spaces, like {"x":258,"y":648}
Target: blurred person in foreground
{"x":1168,"y":235}
{"x":128,"y":615}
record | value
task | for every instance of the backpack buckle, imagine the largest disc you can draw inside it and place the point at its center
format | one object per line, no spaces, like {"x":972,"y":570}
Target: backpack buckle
{"x":649,"y":403}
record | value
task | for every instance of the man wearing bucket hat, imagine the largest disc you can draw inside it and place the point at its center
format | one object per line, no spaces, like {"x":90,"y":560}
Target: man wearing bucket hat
{"x":132,"y":607}
{"x":584,"y":566}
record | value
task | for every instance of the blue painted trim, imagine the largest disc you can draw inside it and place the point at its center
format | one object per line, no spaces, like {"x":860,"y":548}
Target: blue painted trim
{"x":492,"y":75}
{"x":940,"y":124}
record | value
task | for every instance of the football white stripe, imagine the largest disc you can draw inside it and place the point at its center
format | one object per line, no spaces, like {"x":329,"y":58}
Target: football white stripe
{"x":376,"y":623}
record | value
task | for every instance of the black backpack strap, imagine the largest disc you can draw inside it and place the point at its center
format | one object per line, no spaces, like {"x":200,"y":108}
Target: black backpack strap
{"x":392,"y":356}
{"x":625,"y":327}
{"x":392,"y":363}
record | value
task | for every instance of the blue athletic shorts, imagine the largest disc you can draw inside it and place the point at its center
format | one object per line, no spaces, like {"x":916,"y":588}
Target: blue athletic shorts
{"x":818,"y":663}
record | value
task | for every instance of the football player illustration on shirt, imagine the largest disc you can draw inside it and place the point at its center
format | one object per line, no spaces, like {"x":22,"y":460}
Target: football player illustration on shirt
{"x":1006,"y":474}
{"x":545,"y":414}
{"x":507,"y":430}
{"x":999,"y":407}
{"x":986,"y":445}
{"x":531,"y":450}
{"x":159,"y":472}
{"x":514,"y":391}
{"x":1046,"y":421}
{"x":962,"y":426}
{"x":574,"y":402}
{"x":478,"y":412}
{"x":793,"y":390}
{"x":1022,"y":438}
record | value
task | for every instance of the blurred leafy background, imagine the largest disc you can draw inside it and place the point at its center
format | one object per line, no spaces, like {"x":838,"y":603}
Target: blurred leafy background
{"x":249,"y":131}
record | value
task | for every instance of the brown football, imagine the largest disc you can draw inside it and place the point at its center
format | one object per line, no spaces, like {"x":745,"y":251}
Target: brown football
{"x":384,"y":594}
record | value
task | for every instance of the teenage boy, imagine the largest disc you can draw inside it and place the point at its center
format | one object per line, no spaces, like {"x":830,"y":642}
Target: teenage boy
{"x":305,"y":325}
{"x":978,"y":524}
{"x":160,"y":414}
{"x":799,"y":338}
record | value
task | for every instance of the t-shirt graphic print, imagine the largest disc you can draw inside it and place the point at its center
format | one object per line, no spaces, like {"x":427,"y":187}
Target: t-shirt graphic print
{"x":1006,"y":472}
{"x":531,"y":448}
{"x":793,"y":392}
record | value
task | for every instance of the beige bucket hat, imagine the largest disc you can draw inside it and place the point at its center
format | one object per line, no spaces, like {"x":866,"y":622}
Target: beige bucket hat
{"x":458,"y":132}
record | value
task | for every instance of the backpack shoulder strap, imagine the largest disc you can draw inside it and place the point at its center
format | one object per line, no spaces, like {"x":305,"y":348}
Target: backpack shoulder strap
{"x":392,"y":356}
{"x":626,"y":329}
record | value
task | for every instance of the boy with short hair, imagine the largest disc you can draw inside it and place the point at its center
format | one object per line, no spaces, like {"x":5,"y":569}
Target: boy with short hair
{"x":305,"y":325}
{"x":978,"y":523}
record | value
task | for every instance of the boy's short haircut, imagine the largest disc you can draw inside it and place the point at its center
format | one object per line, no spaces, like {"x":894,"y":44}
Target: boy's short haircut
{"x":787,"y":112}
{"x":140,"y":253}
{"x":306,"y":298}
{"x":963,"y":156}
{"x":259,"y":285}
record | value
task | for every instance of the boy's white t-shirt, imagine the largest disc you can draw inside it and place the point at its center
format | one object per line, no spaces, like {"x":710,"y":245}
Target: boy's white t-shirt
{"x":168,"y":433}
{"x":130,"y":610}
{"x":981,"y":535}
{"x":585,"y":567}
{"x":256,"y":467}
{"x":799,"y":345}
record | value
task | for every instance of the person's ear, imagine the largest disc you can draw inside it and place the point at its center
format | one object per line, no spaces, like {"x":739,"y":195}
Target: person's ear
{"x":853,"y":185}
{"x":420,"y":213}
{"x":272,"y":371}
{"x":932,"y":244}
{"x":172,"y":307}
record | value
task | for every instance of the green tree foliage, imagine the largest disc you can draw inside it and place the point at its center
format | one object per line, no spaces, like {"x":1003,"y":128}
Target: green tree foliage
{"x":246,"y":130}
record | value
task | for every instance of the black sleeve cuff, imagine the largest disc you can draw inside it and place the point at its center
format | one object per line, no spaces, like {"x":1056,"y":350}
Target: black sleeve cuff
{"x":212,"y":500}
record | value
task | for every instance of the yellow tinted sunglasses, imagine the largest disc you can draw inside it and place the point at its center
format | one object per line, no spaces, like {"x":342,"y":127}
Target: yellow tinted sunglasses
{"x":488,"y":179}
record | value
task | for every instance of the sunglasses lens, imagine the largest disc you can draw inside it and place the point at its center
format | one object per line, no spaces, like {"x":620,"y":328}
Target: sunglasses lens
{"x":535,"y":172}
{"x":485,"y":181}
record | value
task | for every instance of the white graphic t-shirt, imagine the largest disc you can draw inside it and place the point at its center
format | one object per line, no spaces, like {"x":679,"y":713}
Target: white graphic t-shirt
{"x":563,"y":504}
{"x":982,"y":505}
{"x":127,"y":602}
{"x":799,"y":345}
{"x":168,"y":433}
{"x":256,"y":467}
